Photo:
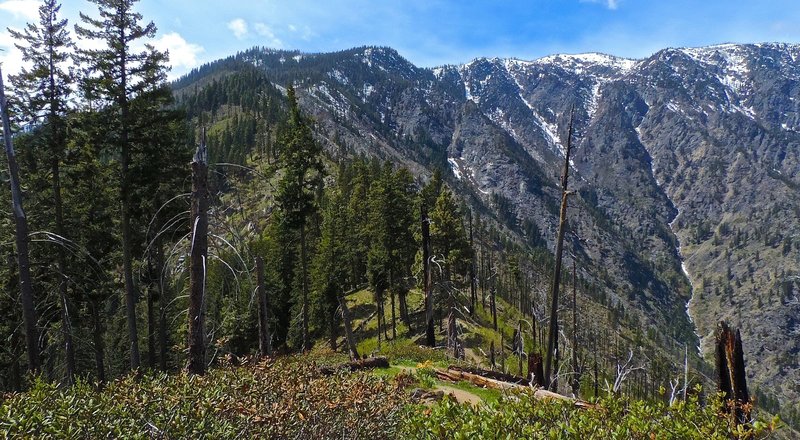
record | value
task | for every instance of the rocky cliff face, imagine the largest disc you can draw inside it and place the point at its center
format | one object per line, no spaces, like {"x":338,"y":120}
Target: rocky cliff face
{"x":685,"y":169}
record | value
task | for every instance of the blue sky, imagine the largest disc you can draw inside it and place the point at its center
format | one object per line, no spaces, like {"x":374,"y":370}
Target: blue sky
{"x":435,"y":32}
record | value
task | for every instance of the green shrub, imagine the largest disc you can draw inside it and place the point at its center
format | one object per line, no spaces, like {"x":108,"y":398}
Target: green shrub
{"x":521,"y":416}
{"x":284,"y":399}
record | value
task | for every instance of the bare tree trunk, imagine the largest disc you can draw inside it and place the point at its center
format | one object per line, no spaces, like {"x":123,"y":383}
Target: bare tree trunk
{"x":66,"y":325}
{"x":304,"y":281}
{"x":97,"y":336}
{"x":473,"y":295}
{"x":151,"y":315}
{"x":151,"y":329}
{"x":430,"y":335}
{"x":379,"y":310}
{"x":197,"y":260}
{"x":163,"y":342}
{"x":21,"y":228}
{"x":264,"y":339}
{"x":402,"y":298}
{"x":576,"y":376}
{"x":552,"y":337}
{"x":391,"y":293}
{"x":491,"y":356}
{"x":127,"y":258}
{"x":348,"y":329}
{"x":731,"y":376}
{"x":452,"y":334}
{"x":493,"y":305}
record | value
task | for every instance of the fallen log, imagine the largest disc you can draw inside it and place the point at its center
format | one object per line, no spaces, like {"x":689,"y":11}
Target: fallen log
{"x":486,"y":382}
{"x":363,"y":364}
{"x":492,"y":374}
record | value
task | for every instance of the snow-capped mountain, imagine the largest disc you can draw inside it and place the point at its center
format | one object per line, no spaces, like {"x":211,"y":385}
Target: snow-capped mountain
{"x":686,"y":169}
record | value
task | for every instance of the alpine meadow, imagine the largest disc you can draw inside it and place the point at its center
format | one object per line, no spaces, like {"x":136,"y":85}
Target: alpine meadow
{"x":341,"y":244}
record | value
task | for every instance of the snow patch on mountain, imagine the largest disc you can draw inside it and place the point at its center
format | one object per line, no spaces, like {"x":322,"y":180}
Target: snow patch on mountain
{"x":580,"y":63}
{"x":455,"y":167}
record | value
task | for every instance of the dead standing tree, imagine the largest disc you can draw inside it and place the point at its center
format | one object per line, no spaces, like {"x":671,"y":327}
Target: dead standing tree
{"x":552,"y":337}
{"x":732,"y":380}
{"x":21,"y":228}
{"x":430,"y":335}
{"x":264,"y":337}
{"x":197,"y":259}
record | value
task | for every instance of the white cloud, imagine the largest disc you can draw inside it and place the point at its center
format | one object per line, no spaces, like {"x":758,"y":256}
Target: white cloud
{"x":271,"y":39}
{"x":610,"y":4}
{"x":24,"y":9}
{"x":239,"y":27}
{"x":10,"y":56}
{"x":182,"y":54}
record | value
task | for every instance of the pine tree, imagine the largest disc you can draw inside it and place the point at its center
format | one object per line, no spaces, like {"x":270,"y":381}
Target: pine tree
{"x":329,"y":274}
{"x":448,"y":237}
{"x":44,"y":89}
{"x":21,"y":233}
{"x":303,"y":173}
{"x":116,"y":74}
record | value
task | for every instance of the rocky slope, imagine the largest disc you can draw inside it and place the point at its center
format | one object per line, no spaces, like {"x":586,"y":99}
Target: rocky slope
{"x":685,"y":169}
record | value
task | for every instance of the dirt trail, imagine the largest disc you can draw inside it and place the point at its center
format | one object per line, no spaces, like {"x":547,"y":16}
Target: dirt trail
{"x":461,"y":396}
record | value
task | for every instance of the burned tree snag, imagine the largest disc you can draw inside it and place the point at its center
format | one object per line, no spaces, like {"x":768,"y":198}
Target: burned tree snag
{"x":430,"y":336}
{"x":552,"y":336}
{"x":731,"y":377}
{"x":197,"y":259}
{"x":264,"y":338}
{"x":576,"y":375}
{"x":535,"y":370}
{"x":21,"y":229}
{"x":452,"y":334}
{"x":491,"y":356}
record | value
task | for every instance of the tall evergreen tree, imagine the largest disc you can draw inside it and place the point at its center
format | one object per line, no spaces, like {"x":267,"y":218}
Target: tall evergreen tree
{"x":303,"y":171}
{"x":21,"y":233}
{"x":44,"y":89}
{"x":117,"y":73}
{"x":448,"y":237}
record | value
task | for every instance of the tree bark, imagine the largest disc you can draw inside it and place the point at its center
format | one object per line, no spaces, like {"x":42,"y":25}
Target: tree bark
{"x":552,"y":336}
{"x":151,"y":319}
{"x":163,"y":341}
{"x":21,"y":229}
{"x":264,"y":339}
{"x":731,"y":376}
{"x":576,"y":375}
{"x":348,"y":329}
{"x":391,"y":296}
{"x":493,"y":305}
{"x":430,"y":335}
{"x":304,"y":282}
{"x":402,"y":298}
{"x":473,"y":295}
{"x":127,"y":257}
{"x":197,"y":260}
{"x":97,"y":336}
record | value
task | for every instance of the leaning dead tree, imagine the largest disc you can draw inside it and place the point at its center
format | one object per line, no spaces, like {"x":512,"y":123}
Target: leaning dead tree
{"x":731,"y":379}
{"x":21,"y":228}
{"x":552,"y":337}
{"x":264,"y":337}
{"x":197,"y":259}
{"x":348,"y":329}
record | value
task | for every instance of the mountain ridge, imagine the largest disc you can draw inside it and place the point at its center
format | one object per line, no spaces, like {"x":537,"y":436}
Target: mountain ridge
{"x":671,"y":153}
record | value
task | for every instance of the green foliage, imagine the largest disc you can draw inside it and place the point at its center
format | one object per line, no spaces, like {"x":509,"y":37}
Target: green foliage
{"x":521,"y":416}
{"x":284,"y":399}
